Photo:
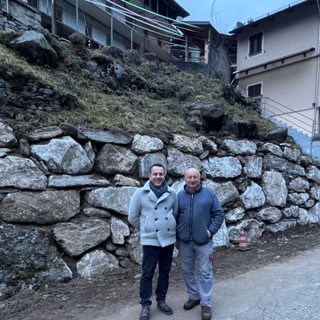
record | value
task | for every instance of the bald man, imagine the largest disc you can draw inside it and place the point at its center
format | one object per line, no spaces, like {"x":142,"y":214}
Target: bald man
{"x":200,"y":215}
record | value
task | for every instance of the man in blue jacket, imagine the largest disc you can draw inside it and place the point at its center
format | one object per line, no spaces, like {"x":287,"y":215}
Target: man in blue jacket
{"x":153,"y":210}
{"x":200,"y":216}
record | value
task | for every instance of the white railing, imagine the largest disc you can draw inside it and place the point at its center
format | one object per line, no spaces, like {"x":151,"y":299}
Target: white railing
{"x":303,"y":120}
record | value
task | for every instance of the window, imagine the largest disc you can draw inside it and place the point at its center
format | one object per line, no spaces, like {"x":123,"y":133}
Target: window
{"x":58,"y":13}
{"x":255,"y":44}
{"x":33,"y":3}
{"x":88,"y":30}
{"x":255,"y":90}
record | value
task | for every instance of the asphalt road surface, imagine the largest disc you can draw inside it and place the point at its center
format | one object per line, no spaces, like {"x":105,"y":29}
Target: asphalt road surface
{"x":283,"y":291}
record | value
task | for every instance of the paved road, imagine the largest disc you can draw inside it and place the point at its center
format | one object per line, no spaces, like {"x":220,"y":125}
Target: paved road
{"x":282,"y":291}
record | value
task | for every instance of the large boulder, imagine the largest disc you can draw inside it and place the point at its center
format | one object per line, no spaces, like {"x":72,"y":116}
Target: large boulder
{"x":29,"y":259}
{"x":214,"y":118}
{"x":278,"y":135}
{"x":34,"y":46}
{"x":244,"y":128}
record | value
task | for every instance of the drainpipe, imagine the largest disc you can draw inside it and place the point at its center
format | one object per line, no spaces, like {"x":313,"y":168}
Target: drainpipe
{"x":263,"y":107}
{"x":111,"y":31}
{"x":77,"y":14}
{"x":209,"y":53}
{"x":53,"y":18}
{"x":316,"y":103}
{"x":186,"y":51}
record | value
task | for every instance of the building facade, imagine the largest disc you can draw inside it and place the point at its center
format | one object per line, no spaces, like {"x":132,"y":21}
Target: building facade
{"x":203,"y":48}
{"x":278,"y":65}
{"x":143,"y":25}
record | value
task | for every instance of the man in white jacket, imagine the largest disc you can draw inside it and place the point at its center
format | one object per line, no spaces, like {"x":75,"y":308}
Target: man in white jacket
{"x":153,"y":210}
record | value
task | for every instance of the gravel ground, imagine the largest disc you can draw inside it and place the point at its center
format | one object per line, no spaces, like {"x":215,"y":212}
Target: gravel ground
{"x":67,"y":300}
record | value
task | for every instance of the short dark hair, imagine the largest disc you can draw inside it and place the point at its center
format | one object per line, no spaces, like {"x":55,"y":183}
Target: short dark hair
{"x":158,"y":165}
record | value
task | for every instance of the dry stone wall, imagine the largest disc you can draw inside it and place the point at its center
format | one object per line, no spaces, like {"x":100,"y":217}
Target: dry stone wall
{"x":65,"y":192}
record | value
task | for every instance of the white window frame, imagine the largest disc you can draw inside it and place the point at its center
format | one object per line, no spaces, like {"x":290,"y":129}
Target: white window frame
{"x":251,"y":55}
{"x":255,"y":98}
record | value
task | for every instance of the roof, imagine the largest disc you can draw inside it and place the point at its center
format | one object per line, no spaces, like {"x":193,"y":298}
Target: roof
{"x":184,"y":13}
{"x":272,"y":15}
{"x":200,"y":27}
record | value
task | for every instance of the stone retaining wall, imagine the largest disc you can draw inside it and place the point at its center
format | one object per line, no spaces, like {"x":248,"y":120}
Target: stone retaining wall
{"x":65,"y":192}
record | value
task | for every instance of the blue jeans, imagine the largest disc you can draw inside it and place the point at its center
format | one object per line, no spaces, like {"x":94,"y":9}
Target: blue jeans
{"x":153,"y":256}
{"x":197,"y":270}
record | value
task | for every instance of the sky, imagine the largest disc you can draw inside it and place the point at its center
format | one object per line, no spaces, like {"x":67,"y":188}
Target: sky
{"x":224,"y":14}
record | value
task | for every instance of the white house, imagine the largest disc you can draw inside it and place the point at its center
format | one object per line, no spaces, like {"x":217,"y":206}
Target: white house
{"x":278,"y":64}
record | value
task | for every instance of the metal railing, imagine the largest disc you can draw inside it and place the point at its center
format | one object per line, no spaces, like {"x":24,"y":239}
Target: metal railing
{"x":304,"y":120}
{"x":273,"y":109}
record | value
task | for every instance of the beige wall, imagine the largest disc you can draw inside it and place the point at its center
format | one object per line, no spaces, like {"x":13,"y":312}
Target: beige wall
{"x":286,"y":87}
{"x":292,"y":83}
{"x":283,"y":36}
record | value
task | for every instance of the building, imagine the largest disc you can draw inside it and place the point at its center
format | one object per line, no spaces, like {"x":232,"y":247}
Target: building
{"x":278,"y":65}
{"x":155,"y":26}
{"x":203,"y":48}
{"x":143,"y":25}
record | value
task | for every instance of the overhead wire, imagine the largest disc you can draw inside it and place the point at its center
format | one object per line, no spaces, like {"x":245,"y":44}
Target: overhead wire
{"x":165,"y":24}
{"x":154,"y":13}
{"x":171,"y":37}
{"x":160,"y":26}
{"x":131,"y":14}
{"x":179,"y":27}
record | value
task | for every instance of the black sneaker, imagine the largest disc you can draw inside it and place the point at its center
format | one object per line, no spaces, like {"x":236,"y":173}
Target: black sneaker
{"x":163,"y":307}
{"x":145,"y":313}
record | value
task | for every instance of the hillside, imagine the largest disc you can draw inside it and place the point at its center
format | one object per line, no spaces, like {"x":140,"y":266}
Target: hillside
{"x":122,"y":91}
{"x":111,"y":89}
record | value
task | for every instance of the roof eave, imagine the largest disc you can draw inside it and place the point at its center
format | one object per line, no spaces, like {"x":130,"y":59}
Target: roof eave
{"x":268,"y":16}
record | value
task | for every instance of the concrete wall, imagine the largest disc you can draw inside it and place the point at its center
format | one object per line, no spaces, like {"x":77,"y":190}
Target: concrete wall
{"x":23,"y":13}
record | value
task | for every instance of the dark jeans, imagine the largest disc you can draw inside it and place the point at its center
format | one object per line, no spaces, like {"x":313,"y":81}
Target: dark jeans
{"x":151,"y":257}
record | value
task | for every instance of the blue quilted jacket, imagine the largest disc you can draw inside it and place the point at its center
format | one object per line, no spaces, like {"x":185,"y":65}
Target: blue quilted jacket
{"x":197,"y":213}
